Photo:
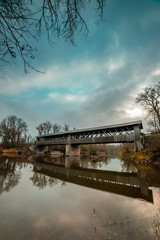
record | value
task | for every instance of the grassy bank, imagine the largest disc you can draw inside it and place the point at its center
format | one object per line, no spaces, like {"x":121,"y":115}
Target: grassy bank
{"x":22,"y":148}
{"x":150,"y":153}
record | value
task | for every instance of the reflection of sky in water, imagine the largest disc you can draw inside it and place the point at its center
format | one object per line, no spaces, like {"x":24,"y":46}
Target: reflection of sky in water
{"x":108,"y":164}
{"x":69,"y":211}
{"x":113,"y":165}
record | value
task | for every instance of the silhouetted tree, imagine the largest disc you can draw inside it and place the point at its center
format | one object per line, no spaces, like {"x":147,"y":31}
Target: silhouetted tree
{"x":56,"y":128}
{"x":47,"y":127}
{"x":153,"y":121}
{"x":12,"y":129}
{"x":21,"y":21}
{"x":66,"y":127}
{"x":44,"y":128}
{"x":40,"y":129}
{"x":149,"y":99}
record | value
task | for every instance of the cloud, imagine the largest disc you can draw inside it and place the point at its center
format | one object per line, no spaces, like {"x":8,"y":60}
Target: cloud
{"x":67,"y":97}
{"x":97,"y":81}
{"x":69,"y":75}
{"x":115,"y":64}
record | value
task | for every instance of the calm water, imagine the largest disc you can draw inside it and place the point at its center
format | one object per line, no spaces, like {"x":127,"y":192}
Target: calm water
{"x":76,"y":200}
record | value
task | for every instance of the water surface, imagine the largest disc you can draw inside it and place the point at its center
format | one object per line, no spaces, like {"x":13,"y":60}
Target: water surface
{"x":108,"y":199}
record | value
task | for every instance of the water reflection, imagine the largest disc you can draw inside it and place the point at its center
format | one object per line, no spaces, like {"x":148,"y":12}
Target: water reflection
{"x":127,"y":184}
{"x":66,"y":201}
{"x":132,"y":181}
{"x":9,"y":175}
{"x":72,"y":162}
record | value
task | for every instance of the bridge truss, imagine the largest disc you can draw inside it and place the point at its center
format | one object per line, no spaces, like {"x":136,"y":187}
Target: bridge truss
{"x":119,"y":133}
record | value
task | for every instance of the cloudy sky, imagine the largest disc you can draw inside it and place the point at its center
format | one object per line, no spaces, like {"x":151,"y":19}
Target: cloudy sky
{"x":94,"y":82}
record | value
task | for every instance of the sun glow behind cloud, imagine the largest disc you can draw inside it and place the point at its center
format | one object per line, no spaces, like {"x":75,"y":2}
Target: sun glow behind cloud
{"x":135,"y":112}
{"x":156,"y":72}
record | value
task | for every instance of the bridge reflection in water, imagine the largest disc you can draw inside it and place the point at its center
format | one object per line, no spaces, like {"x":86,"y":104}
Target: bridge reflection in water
{"x":132,"y":185}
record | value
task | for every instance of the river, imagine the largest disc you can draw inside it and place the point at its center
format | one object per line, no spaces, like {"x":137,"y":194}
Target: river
{"x":72,"y":199}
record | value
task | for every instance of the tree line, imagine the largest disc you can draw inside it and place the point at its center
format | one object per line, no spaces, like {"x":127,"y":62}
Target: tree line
{"x":48,"y":128}
{"x":14,"y":130}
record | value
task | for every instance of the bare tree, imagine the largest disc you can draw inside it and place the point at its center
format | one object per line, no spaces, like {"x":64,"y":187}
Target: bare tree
{"x":44,"y":128}
{"x":153,"y":122}
{"x":40,"y":129}
{"x":21,"y":127}
{"x":66,"y":127}
{"x":12,"y":129}
{"x":149,"y":99}
{"x":56,"y":128}
{"x":21,"y":21}
{"x":47,"y":127}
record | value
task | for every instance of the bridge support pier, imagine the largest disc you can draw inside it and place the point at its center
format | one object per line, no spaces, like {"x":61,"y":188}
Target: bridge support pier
{"x":72,"y":150}
{"x":138,"y":146}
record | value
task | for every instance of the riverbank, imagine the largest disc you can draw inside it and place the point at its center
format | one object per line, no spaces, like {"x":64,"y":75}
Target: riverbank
{"x":95,"y":153}
{"x":149,"y":155}
{"x":21,"y":149}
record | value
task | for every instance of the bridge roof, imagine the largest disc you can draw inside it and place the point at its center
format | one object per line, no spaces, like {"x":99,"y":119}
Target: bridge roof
{"x":111,"y":128}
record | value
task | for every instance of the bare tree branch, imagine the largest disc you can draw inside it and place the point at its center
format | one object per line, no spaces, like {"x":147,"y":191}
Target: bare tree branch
{"x":22,"y":21}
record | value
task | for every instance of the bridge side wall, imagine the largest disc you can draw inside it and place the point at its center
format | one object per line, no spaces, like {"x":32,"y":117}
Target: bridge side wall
{"x":72,"y":141}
